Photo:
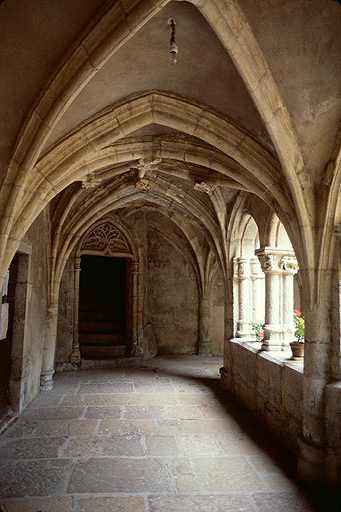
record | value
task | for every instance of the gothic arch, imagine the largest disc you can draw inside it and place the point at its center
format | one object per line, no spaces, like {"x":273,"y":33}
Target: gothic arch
{"x":277,"y":235}
{"x":127,"y":194}
{"x":75,"y":167}
{"x":249,"y":235}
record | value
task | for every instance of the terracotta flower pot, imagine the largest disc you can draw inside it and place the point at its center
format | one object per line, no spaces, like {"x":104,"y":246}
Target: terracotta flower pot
{"x":297,"y":350}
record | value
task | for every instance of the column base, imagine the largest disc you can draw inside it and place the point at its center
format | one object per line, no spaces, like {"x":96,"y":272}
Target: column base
{"x":312,"y":463}
{"x":46,"y":380}
{"x":268,"y":346}
{"x":247,"y":336}
{"x":75,"y":357}
{"x":225,"y":379}
{"x":204,"y":348}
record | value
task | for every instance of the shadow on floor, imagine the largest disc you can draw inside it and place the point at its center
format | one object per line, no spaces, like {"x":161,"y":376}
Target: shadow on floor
{"x":320,"y":497}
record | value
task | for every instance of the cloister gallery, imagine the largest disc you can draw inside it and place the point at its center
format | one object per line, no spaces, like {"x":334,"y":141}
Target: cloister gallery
{"x":151,"y":207}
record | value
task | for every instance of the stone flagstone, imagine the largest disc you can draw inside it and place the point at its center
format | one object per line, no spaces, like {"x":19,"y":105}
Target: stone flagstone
{"x":109,"y":447}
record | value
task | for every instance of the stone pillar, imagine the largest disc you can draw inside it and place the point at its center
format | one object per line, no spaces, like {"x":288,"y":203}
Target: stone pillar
{"x":75,"y":356}
{"x":47,"y":370}
{"x":317,"y":462}
{"x":336,"y":312}
{"x":244,"y":298}
{"x":289,"y":269}
{"x":134,"y":269}
{"x":270,"y":259}
{"x":204,"y":340}
{"x":313,"y":456}
{"x":258,"y":295}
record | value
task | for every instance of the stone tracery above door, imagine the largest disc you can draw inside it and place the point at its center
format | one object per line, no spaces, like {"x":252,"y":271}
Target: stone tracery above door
{"x":107,"y":240}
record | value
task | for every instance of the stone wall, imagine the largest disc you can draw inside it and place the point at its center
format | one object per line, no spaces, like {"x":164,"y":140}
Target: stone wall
{"x":333,"y":429}
{"x":35,"y":241}
{"x":172,"y":297}
{"x":217,"y":316}
{"x":270,"y":385}
{"x":65,"y":314}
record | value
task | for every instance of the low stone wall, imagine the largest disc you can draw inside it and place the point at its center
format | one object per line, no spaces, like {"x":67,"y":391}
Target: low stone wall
{"x":333,"y":429}
{"x":270,"y":384}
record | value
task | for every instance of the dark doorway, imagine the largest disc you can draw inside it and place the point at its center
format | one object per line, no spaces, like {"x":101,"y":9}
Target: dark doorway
{"x":102,"y":307}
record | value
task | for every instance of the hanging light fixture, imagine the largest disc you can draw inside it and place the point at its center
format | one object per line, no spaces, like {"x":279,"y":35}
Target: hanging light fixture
{"x":173,"y":49}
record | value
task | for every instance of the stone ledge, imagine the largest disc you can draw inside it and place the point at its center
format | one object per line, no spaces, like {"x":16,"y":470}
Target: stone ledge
{"x":282,"y":357}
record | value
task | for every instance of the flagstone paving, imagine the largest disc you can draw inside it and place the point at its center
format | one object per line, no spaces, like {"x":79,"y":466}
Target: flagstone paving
{"x":158,"y":437}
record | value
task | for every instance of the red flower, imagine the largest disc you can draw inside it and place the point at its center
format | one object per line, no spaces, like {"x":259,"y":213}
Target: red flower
{"x":298,"y":313}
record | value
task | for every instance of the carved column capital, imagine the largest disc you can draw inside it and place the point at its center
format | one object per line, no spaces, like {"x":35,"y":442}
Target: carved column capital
{"x":256,"y":269}
{"x":77,"y":264}
{"x":243,"y":267}
{"x":273,"y":259}
{"x":289,"y":265}
{"x":268,"y":263}
{"x":134,"y":268}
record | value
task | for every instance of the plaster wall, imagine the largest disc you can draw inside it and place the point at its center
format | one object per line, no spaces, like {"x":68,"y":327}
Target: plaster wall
{"x":270,"y":386}
{"x":172,"y":297}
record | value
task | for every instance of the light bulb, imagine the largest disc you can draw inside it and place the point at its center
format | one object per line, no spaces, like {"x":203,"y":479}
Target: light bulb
{"x":173,"y":58}
{"x":173,"y":50}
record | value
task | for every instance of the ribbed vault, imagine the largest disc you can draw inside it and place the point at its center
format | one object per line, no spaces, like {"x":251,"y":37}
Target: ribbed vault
{"x":100,"y":146}
{"x":103,"y":38}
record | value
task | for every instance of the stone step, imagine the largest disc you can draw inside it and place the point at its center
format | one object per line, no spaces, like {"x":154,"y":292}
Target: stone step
{"x":98,"y":306}
{"x":101,"y":327}
{"x":100,"y":318}
{"x":105,"y":301}
{"x":93,"y":284}
{"x":101,"y":339}
{"x":105,"y":352}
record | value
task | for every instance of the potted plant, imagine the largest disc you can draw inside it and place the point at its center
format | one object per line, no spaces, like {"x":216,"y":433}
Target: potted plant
{"x":297,"y":346}
{"x":258,"y":329}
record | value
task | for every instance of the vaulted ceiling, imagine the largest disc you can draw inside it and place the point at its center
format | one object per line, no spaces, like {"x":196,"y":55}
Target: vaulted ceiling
{"x":286,"y":109}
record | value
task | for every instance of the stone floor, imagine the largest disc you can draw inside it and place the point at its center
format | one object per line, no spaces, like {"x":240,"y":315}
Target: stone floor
{"x":159,"y":437}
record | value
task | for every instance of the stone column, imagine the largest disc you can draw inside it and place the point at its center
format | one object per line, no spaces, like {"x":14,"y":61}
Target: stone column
{"x":258,"y":295}
{"x":289,"y":269}
{"x":269,"y":259}
{"x":244,"y":298}
{"x":134,"y":269}
{"x":75,"y":356}
{"x":47,"y":370}
{"x":204,"y":340}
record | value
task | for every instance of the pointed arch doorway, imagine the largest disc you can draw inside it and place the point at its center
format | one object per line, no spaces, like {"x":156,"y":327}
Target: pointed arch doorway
{"x":106,"y":293}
